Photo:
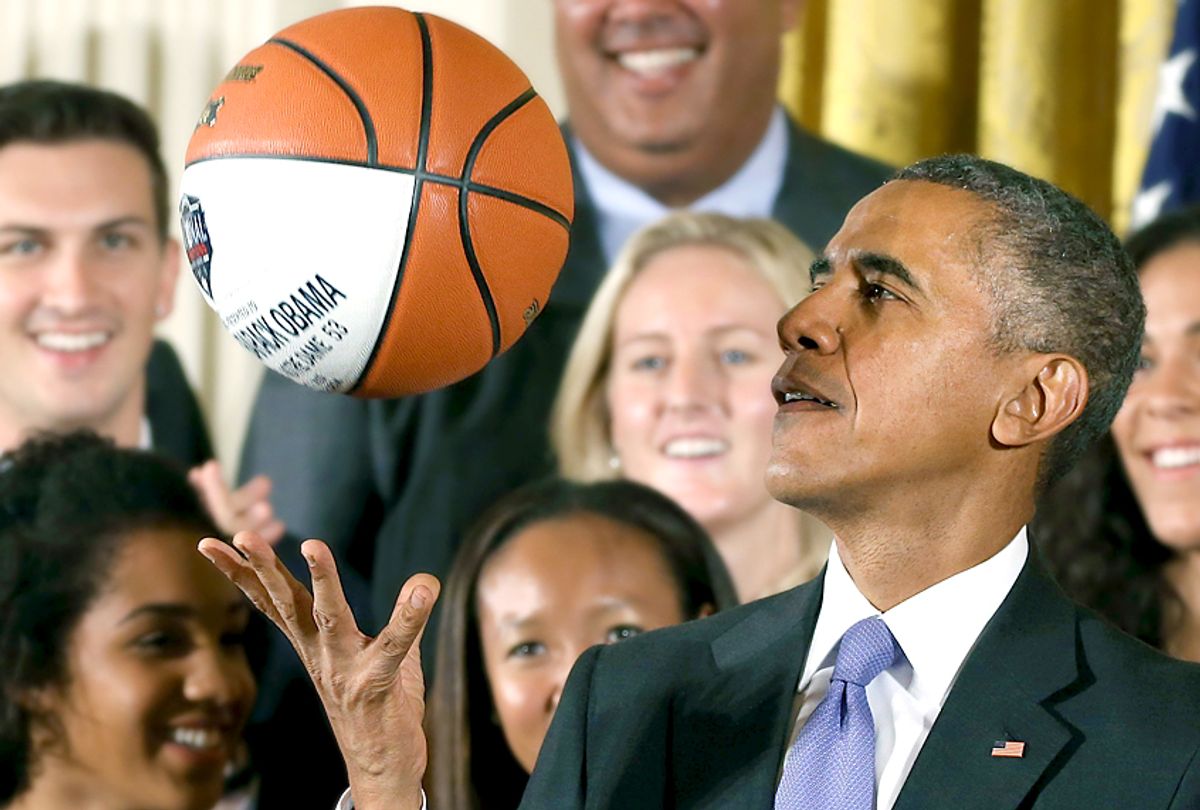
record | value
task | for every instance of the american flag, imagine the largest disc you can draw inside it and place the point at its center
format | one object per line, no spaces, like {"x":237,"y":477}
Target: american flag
{"x":1172,"y":176}
{"x":1008,"y":748}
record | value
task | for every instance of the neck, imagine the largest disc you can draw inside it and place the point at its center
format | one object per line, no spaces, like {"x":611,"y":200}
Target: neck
{"x":896,"y":552}
{"x":1182,"y":637}
{"x":123,"y":425}
{"x":679,"y":176}
{"x":768,"y":550}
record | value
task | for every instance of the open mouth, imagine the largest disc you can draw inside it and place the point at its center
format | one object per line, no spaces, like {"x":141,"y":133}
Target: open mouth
{"x":658,"y":61}
{"x":1175,"y":458}
{"x":695,"y":447}
{"x":799,"y":396}
{"x":72,"y":342}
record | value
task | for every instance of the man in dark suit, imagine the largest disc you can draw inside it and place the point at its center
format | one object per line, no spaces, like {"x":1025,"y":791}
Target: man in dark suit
{"x":971,"y":331}
{"x":395,"y":485}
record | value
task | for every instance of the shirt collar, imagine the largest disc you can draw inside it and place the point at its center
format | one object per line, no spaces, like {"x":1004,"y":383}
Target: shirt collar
{"x":622,"y":207}
{"x":145,"y":437}
{"x":936,"y":628}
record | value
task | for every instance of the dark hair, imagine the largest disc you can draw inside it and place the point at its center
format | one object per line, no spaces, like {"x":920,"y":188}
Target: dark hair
{"x":66,"y":505}
{"x":1090,"y":529}
{"x":468,"y":747}
{"x":50,"y":112}
{"x":1059,"y":281}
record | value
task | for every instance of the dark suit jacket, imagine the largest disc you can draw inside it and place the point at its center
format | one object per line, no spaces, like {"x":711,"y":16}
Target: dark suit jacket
{"x":698,"y":716}
{"x":176,"y":424}
{"x":395,"y":485}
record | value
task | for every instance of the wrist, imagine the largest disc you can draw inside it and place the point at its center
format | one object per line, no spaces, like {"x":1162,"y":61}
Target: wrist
{"x":371,"y":793}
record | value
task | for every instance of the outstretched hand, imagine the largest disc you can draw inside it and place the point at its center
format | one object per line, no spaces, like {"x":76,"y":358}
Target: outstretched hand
{"x":372,"y":689}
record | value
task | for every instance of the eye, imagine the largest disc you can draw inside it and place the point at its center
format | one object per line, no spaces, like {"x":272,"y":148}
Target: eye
{"x":114,"y":240}
{"x":22,"y":247}
{"x":1144,"y":363}
{"x":234,"y":639}
{"x":162,"y":643}
{"x":527,"y":649}
{"x":735,"y":357}
{"x":876,"y":292}
{"x":621,"y":632}
{"x":650,"y":363}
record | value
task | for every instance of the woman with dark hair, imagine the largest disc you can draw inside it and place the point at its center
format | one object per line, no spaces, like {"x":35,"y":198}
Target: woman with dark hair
{"x":552,"y":569}
{"x":1122,"y":530}
{"x":124,"y":676}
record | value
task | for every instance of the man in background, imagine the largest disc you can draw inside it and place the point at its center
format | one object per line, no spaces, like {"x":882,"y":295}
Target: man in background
{"x":671,"y":104}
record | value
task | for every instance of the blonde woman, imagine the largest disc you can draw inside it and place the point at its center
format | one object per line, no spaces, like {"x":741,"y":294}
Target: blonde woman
{"x":669,"y":384}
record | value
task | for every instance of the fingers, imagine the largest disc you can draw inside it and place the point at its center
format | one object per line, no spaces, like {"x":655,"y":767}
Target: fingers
{"x":331,"y":613}
{"x":402,"y":634}
{"x":238,"y":571}
{"x":291,"y":600}
{"x":246,"y":508}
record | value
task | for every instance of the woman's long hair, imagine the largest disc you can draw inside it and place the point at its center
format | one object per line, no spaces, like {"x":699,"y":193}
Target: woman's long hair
{"x":1090,"y":528}
{"x":467,"y":745}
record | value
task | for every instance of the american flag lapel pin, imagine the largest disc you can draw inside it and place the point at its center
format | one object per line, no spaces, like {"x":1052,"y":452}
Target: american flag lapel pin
{"x":1008,"y":748}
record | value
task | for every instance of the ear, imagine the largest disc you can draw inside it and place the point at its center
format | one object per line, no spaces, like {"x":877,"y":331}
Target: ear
{"x":168,"y":276}
{"x":790,"y":12}
{"x":1054,"y":397}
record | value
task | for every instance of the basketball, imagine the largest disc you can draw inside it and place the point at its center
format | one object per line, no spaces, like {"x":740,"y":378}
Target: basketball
{"x":376,"y":202}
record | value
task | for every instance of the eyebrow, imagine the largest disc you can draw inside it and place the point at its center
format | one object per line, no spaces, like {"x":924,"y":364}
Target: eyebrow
{"x":876,"y":262}
{"x":119,"y":222}
{"x":171,"y":610}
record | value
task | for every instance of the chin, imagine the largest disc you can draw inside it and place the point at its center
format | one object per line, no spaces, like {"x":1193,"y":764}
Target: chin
{"x":1181,"y":536}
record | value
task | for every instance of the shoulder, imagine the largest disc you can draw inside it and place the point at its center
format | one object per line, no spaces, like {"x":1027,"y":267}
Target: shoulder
{"x":829,"y":160}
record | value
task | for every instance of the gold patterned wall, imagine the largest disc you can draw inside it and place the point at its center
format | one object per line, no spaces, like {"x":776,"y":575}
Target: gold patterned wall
{"x":1063,"y":89}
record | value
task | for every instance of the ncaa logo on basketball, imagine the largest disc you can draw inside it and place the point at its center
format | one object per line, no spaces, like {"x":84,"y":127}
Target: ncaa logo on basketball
{"x":196,"y":242}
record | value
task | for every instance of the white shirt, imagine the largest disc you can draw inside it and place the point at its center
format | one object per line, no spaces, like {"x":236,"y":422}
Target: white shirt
{"x":936,"y":629}
{"x":622,"y":207}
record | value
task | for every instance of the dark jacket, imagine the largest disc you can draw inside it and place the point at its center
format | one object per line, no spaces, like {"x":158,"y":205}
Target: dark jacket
{"x":698,"y":716}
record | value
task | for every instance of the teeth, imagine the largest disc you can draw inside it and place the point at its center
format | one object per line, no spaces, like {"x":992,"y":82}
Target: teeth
{"x":651,"y":62}
{"x":200,"y":738}
{"x":1170,"y":458}
{"x":71,"y":341}
{"x":792,"y":396}
{"x":695,"y":448}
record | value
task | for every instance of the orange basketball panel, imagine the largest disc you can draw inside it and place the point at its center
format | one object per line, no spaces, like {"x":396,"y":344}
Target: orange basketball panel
{"x":377,"y":51}
{"x":439,"y":330}
{"x":526,"y":155}
{"x":472,"y":81}
{"x":275,"y":102}
{"x":520,"y":252}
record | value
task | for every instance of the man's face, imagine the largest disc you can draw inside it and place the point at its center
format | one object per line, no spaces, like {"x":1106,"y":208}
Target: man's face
{"x":662,"y":77}
{"x":83,"y":278}
{"x":890,"y":383}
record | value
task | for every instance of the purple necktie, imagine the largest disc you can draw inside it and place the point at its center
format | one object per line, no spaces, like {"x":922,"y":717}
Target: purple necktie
{"x":831,"y":764}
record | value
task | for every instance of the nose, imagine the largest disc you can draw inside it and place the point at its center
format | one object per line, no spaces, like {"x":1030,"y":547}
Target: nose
{"x":693,"y":381}
{"x":1173,"y":389}
{"x":558,"y":678}
{"x":814,"y":324}
{"x":68,"y":282}
{"x":215,"y":677}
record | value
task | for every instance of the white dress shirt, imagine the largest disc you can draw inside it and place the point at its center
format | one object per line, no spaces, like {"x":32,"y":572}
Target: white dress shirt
{"x":936,"y":629}
{"x":622,"y":207}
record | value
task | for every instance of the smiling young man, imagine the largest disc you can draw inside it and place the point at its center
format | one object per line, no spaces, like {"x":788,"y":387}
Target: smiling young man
{"x":972,"y":330}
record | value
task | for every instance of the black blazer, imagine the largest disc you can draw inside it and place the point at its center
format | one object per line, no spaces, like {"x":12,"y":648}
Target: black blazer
{"x":698,"y":716}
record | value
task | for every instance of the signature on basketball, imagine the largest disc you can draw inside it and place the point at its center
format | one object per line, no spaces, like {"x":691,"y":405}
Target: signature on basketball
{"x":531,"y":312}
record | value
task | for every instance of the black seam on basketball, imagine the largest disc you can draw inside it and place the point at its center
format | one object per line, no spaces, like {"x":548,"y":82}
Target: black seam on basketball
{"x":418,"y":188}
{"x":485,"y":292}
{"x":464,"y":225}
{"x":524,"y":202}
{"x":363,"y":113}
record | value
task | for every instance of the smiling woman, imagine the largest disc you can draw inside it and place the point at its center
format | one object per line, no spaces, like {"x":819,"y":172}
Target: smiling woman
{"x":1122,"y":530}
{"x":125,"y":682}
{"x":669,"y":384}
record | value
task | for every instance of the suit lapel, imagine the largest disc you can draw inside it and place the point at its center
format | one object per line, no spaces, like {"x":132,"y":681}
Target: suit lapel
{"x":1024,"y":661}
{"x":729,"y":733}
